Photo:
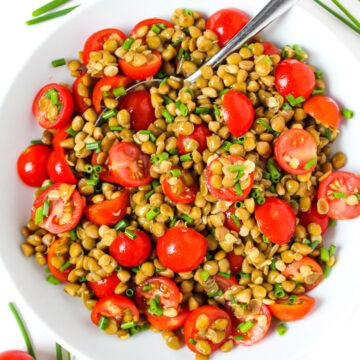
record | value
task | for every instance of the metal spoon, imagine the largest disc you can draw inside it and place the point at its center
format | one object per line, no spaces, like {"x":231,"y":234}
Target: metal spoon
{"x":270,"y":12}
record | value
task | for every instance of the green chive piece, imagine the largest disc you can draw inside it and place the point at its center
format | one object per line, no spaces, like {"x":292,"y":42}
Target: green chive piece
{"x":160,"y":157}
{"x":127,"y":43}
{"x":58,"y":62}
{"x":54,"y":97}
{"x":274,"y":172}
{"x":156,"y":29}
{"x":232,"y":298}
{"x":109,"y":113}
{"x":175,"y":173}
{"x":188,"y":12}
{"x":53,"y":280}
{"x":71,"y":131}
{"x":152,"y":137}
{"x":35,"y":142}
{"x":347,"y":113}
{"x":148,"y":194}
{"x":93,"y":145}
{"x":167,"y":100}
{"x":65,"y":266}
{"x":50,"y":16}
{"x":324,"y":254}
{"x":286,"y":106}
{"x":46,"y":208}
{"x":240,"y":140}
{"x":136,"y":269}
{"x":118,"y":268}
{"x":186,"y":157}
{"x":129,"y":293}
{"x":292,"y":299}
{"x":162,"y":26}
{"x":238,"y":189}
{"x":202,"y":110}
{"x":152,"y":213}
{"x":128,"y":325}
{"x":187,"y":219}
{"x":130,"y":234}
{"x":138,"y":328}
{"x":172,"y":222}
{"x":236,"y":168}
{"x":120,"y":91}
{"x":164,"y":82}
{"x":39,"y":217}
{"x":260,"y":200}
{"x":91,"y":182}
{"x":279,"y":291}
{"x":88,"y":168}
{"x":182,"y":108}
{"x":236,"y":220}
{"x":192,"y":341}
{"x":224,"y":91}
{"x":318,"y":91}
{"x":264,"y":124}
{"x":314,"y":244}
{"x":58,"y":350}
{"x":147,"y":287}
{"x":180,"y":53}
{"x":217,"y":111}
{"x":281,"y":329}
{"x":245,"y":326}
{"x":155,"y":183}
{"x":265,"y":239}
{"x":224,"y":274}
{"x":227,"y":145}
{"x":47,"y":7}
{"x":218,"y":293}
{"x":332,"y":222}
{"x":294,"y":101}
{"x":245,"y":275}
{"x":326,"y":271}
{"x":177,"y":42}
{"x":116,"y":128}
{"x":68,"y":355}
{"x":105,"y":94}
{"x":173,"y":151}
{"x":310,"y":163}
{"x":239,"y":337}
{"x":272,"y":265}
{"x":97,"y":168}
{"x":339,"y":195}
{"x":318,"y":74}
{"x":121,"y":225}
{"x":103,"y":323}
{"x":167,"y":116}
{"x":72,"y":234}
{"x":328,"y":133}
{"x":332,"y":250}
{"x":204,"y":275}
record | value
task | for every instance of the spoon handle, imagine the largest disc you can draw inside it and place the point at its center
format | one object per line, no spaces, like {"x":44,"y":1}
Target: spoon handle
{"x":271,"y":11}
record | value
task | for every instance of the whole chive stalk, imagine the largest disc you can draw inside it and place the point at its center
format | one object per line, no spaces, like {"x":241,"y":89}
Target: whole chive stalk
{"x":58,"y":351}
{"x":52,"y":15}
{"x":347,"y":13}
{"x":47,"y":7}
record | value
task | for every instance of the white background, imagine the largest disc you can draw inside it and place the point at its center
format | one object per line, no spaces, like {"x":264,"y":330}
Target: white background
{"x":17,"y":40}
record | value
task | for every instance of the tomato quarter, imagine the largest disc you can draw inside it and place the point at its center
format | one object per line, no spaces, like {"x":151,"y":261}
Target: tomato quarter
{"x":313,"y":216}
{"x":169,"y":323}
{"x":270,"y":49}
{"x":105,"y":287}
{"x":59,"y":169}
{"x":229,"y":221}
{"x":52,"y":252}
{"x":59,"y":136}
{"x":235,"y":261}
{"x":105,"y":172}
{"x":200,"y":133}
{"x":225,"y":283}
{"x":81,"y":91}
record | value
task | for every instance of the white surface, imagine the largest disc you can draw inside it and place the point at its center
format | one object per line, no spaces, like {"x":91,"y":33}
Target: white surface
{"x":17,"y":42}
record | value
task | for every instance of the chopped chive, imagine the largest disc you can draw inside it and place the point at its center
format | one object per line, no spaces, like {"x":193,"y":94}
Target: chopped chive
{"x":339,"y":195}
{"x":130,"y":234}
{"x":182,"y":108}
{"x":152,"y":213}
{"x":167,"y":100}
{"x":172,"y":222}
{"x":118,"y":268}
{"x":159,"y":157}
{"x":72,"y":234}
{"x":332,"y":222}
{"x":156,"y":29}
{"x":65,"y":266}
{"x":236,"y":168}
{"x":47,"y":7}
{"x":217,"y":111}
{"x":46,"y":208}
{"x":204,"y":275}
{"x":175,"y":173}
{"x":239,"y":337}
{"x":136,"y":269}
{"x":103,"y":323}
{"x":294,"y":101}
{"x":54,"y":97}
{"x":168,"y":117}
{"x":105,"y":94}
{"x":332,"y":250}
{"x":35,"y":142}
{"x":298,"y":51}
{"x":224,"y":274}
{"x":292,"y":299}
{"x":236,"y":220}
{"x":240,"y":140}
{"x":148,"y":194}
{"x":274,"y":172}
{"x":286,"y":106}
{"x":328,"y":133}
{"x":88,"y":168}
{"x":177,"y":42}
{"x":82,"y":279}
{"x":150,"y":133}
{"x":127,"y":43}
{"x":138,"y":328}
{"x":121,"y":225}
{"x":265,"y":239}
{"x":58,"y":62}
{"x":173,"y":151}
{"x":187,"y":219}
{"x":324,"y":254}
{"x":162,"y":26}
{"x":232,"y":298}
{"x":119,"y":91}
{"x":227,"y":145}
{"x":272,"y":265}
{"x":188,"y":12}
{"x":318,"y":91}
{"x":318,"y":74}
{"x":129,"y":293}
{"x":58,"y":350}
{"x":97,"y":168}
{"x":116,"y":128}
{"x":93,"y":145}
{"x":180,"y":53}
{"x":53,"y":280}
{"x":92,"y":182}
{"x":260,"y":200}
{"x":191,"y":341}
{"x":245,"y":326}
{"x":47,"y":270}
{"x":187,"y":55}
{"x":251,"y":46}
{"x":281,"y":329}
{"x":202,"y":110}
{"x":218,"y":293}
{"x":128,"y":325}
{"x":39,"y":217}
{"x":238,"y":189}
{"x":186,"y":157}
{"x":71,"y":131}
{"x":224,"y":91}
{"x":147,"y":287}
{"x":50,"y":16}
{"x":265,"y":125}
{"x":347,"y":113}
{"x":326,"y":271}
{"x":314,"y":244}
{"x":310,"y":163}
{"x":109,"y":113}
{"x":239,"y":204}
{"x":245,"y":275}
{"x":155,"y":183}
{"x":279,"y":291}
{"x":164,"y":82}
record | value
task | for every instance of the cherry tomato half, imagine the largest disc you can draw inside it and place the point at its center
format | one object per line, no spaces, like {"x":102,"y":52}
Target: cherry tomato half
{"x":341,"y":190}
{"x":131,"y":252}
{"x":81,"y":92}
{"x":270,"y":49}
{"x":313,"y":216}
{"x":15,"y":355}
{"x":96,"y":41}
{"x":169,"y":323}
{"x":108,"y":212}
{"x":276,"y":220}
{"x":235,"y":261}
{"x":142,"y":113}
{"x":294,"y":77}
{"x":105,"y":287}
{"x":225,"y":283}
{"x":238,"y":112}
{"x":105,"y":172}
{"x":31,"y":165}
{"x":229,"y":221}
{"x":59,"y":136}
{"x":200,"y":133}
{"x":60,"y":275}
{"x":53,"y":106}
{"x":57,"y":221}
{"x":129,"y":165}
{"x":149,"y":23}
{"x":181,"y":249}
{"x":226,"y":23}
{"x":292,"y":272}
{"x":292,"y":311}
{"x":296,"y":151}
{"x":58,"y":168}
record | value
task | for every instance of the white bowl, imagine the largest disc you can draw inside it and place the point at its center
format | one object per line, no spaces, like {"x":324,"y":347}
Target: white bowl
{"x":66,"y":318}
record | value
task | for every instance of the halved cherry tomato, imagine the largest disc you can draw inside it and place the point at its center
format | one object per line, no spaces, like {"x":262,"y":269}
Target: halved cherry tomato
{"x":192,"y":334}
{"x":59,"y":136}
{"x":270,"y":49}
{"x":105,"y":286}
{"x":181,"y":249}
{"x":105,"y":172}
{"x":129,"y":165}
{"x":58,"y":168}
{"x":235,"y":261}
{"x":276,"y":220}
{"x":324,"y":109}
{"x":96,"y":41}
{"x":296,"y":151}
{"x":228,"y":194}
{"x":80,"y":105}
{"x":292,"y":311}
{"x":238,"y":112}
{"x":341,"y":190}
{"x":148,"y":70}
{"x":114,"y":307}
{"x":182,"y":189}
{"x":15,"y":355}
{"x":114,"y":82}
{"x":200,"y":133}
{"x":292,"y":272}
{"x":108,"y":212}
{"x":142,"y":113}
{"x":54,"y":222}
{"x":43,"y":102}
{"x":149,"y":23}
{"x":294,"y":77}
{"x":226,"y":23}
{"x":225,"y":283}
{"x":169,"y":323}
{"x":229,"y":221}
{"x":313,"y":216}
{"x":60,"y":275}
{"x":131,"y":252}
{"x":31,"y":164}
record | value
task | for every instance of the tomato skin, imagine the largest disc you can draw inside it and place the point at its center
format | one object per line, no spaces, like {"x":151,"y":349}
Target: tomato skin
{"x":181,"y":249}
{"x":270,"y":49}
{"x":299,"y":144}
{"x":229,"y":222}
{"x":128,"y":252}
{"x":96,"y":41}
{"x":168,"y":323}
{"x":238,"y":112}
{"x":235,"y":261}
{"x":226,"y":23}
{"x":200,"y":133}
{"x":79,"y":103}
{"x":284,"y":311}
{"x":143,"y":72}
{"x":105,"y":286}
{"x":59,"y":136}
{"x":58,"y":168}
{"x":292,"y":271}
{"x":67,"y":108}
{"x":60,"y":275}
{"x":105,"y":172}
{"x":149,"y":22}
{"x":338,"y":208}
{"x":225,"y":283}
{"x":276,"y":220}
{"x":56,"y":208}
{"x":31,"y":165}
{"x":108,"y":212}
{"x":312,"y":215}
{"x":294,"y":77}
{"x":15,"y":355}
{"x":142,"y":113}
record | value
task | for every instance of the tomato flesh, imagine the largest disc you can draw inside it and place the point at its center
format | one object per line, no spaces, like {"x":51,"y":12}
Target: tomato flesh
{"x":313,"y":216}
{"x":235,"y":261}
{"x":59,"y":136}
{"x":229,"y":221}
{"x":58,"y":168}
{"x":105,"y":172}
{"x":60,"y":275}
{"x":270,"y":49}
{"x":200,"y":133}
{"x":169,"y":323}
{"x":105,"y":287}
{"x":15,"y":355}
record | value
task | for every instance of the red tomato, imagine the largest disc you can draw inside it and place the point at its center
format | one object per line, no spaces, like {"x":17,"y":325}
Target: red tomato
{"x":213,"y":313}
{"x":31,"y":165}
{"x":238,"y":112}
{"x":312,"y":216}
{"x":80,"y":105}
{"x":200,"y":133}
{"x":58,"y":168}
{"x":226,"y":23}
{"x":54,"y":222}
{"x":65,"y":105}
{"x":96,"y":41}
{"x":138,"y":104}
{"x":296,"y":151}
{"x":60,"y":275}
{"x":292,"y":272}
{"x":149,"y":22}
{"x":128,"y":165}
{"x":324,"y":109}
{"x":225,"y":283}
{"x":286,"y":311}
{"x":105,"y":286}
{"x":114,"y":82}
{"x":108,"y":212}
{"x":181,"y":192}
{"x":337,"y":189}
{"x":235,"y":261}
{"x":105,"y":172}
{"x":228,"y":194}
{"x":276,"y":220}
{"x":181,"y":249}
{"x":169,"y":323}
{"x":229,"y":221}
{"x":270,"y":49}
{"x":114,"y":307}
{"x":59,"y":136}
{"x":15,"y":355}
{"x":294,"y":77}
{"x":148,"y":70}
{"x":128,"y":252}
